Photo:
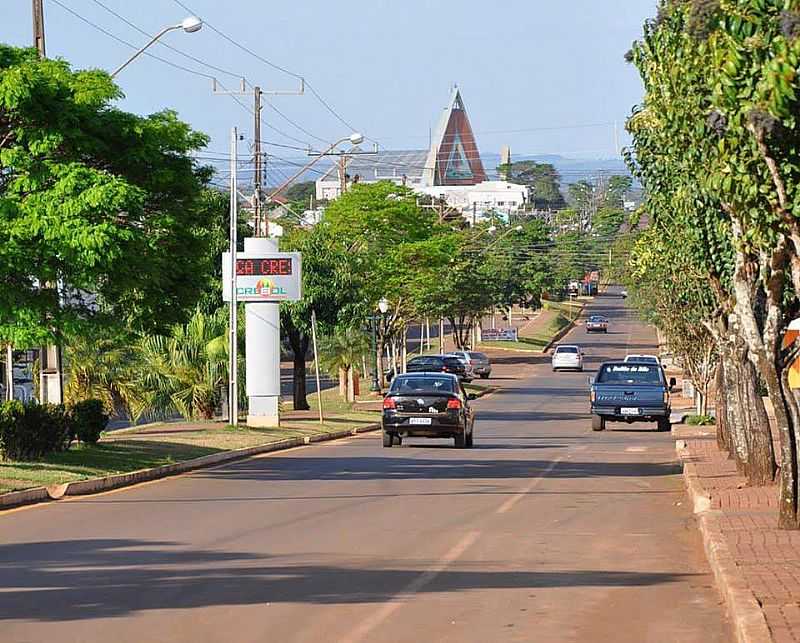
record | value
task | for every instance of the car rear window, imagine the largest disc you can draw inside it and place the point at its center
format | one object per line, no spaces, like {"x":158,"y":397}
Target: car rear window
{"x":596,"y":319}
{"x":641,"y":358}
{"x":415,"y":385}
{"x":566,"y":349}
{"x":631,"y":373}
{"x":479,"y":356}
{"x":426,"y":361}
{"x":452,"y":361}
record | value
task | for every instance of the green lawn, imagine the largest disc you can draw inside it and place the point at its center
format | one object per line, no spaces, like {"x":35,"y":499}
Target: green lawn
{"x":159,"y":444}
{"x":552,"y":321}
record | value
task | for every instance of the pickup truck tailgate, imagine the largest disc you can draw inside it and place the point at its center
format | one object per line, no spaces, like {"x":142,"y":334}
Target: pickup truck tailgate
{"x":640,"y":395}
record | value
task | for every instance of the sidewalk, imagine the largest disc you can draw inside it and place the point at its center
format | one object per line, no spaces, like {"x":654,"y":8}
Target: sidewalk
{"x":757,"y":565}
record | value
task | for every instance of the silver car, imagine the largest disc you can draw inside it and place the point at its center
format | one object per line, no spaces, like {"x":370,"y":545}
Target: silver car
{"x":481,"y":365}
{"x":464,"y":358}
{"x":567,"y":356}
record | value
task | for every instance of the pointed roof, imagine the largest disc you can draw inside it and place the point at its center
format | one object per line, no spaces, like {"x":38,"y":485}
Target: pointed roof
{"x":453,"y":158}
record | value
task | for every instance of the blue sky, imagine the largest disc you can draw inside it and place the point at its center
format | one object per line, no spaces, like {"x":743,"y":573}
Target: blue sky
{"x":386,"y":67}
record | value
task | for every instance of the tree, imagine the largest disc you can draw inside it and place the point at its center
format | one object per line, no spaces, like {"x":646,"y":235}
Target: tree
{"x":330,"y":288}
{"x":340,"y":355}
{"x":101,"y":211}
{"x":184,"y":371}
{"x":543,"y":178}
{"x":302,"y":191}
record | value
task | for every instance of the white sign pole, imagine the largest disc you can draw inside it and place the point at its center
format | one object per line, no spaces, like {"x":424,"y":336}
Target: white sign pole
{"x":233,"y":379}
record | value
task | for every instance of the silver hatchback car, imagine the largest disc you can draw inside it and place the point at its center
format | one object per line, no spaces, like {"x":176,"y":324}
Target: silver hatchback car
{"x":567,"y":356}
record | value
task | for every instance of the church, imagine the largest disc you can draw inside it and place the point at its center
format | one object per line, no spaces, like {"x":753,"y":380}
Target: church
{"x":450,"y":170}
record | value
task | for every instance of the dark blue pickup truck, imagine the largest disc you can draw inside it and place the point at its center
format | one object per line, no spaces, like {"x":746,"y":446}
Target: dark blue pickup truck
{"x":630,"y":392}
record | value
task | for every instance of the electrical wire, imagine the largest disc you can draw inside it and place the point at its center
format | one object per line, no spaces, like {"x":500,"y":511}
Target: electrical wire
{"x":273,"y":65}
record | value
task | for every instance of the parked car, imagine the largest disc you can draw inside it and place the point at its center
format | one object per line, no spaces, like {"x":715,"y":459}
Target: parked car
{"x":567,"y":356}
{"x":437,"y":364}
{"x":481,"y":364}
{"x":429,"y":405}
{"x":624,"y":294}
{"x":469,"y":363}
{"x":597,"y":324}
{"x":630,"y":392}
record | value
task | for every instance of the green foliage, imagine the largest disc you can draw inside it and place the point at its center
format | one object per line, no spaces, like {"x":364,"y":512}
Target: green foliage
{"x":101,"y":211}
{"x":342,"y":350}
{"x":701,"y":420}
{"x":88,"y":420}
{"x":544,"y":180}
{"x":183,"y":372}
{"x":30,"y":431}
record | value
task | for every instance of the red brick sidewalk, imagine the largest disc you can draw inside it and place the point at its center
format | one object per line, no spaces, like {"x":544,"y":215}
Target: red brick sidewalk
{"x":751,"y":557}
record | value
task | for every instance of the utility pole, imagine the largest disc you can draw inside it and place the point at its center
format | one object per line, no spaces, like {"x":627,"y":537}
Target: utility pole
{"x":51,"y":377}
{"x":342,"y":162}
{"x":38,"y":27}
{"x":233,"y":370}
{"x":259,"y":214}
{"x":257,"y":159}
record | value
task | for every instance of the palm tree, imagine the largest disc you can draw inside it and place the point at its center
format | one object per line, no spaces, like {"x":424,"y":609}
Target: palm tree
{"x":340,"y":353}
{"x":185,"y":371}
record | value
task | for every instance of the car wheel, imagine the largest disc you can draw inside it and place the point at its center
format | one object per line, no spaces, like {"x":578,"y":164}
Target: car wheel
{"x":461,"y":440}
{"x":664,"y":424}
{"x":598,"y":423}
{"x":388,"y":439}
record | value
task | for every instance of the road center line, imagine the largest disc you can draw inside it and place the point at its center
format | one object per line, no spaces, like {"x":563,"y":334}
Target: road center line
{"x":510,"y":502}
{"x":421,"y":581}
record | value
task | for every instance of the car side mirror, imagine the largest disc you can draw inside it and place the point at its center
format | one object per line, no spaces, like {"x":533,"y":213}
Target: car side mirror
{"x":472,"y":396}
{"x":590,"y":380}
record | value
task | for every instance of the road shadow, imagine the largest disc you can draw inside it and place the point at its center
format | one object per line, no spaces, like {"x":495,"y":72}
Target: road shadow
{"x":74,"y":580}
{"x":449,"y":464}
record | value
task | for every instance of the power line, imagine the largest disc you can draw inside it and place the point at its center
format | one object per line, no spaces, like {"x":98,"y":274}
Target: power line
{"x":167,"y":45}
{"x":273,"y":65}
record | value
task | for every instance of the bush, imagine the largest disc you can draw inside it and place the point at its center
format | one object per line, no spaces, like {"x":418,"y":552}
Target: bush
{"x":29,"y":431}
{"x":701,"y":420}
{"x":88,"y":420}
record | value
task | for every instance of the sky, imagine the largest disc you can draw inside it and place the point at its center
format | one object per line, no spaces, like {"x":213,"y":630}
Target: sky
{"x":543,"y":77}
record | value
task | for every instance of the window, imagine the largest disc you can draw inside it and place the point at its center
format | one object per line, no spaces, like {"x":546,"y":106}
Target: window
{"x":415,"y":385}
{"x":567,"y":349}
{"x":630,"y":374}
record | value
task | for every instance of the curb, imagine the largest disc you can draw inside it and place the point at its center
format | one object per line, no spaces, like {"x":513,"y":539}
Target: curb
{"x":749,"y":623}
{"x":563,"y":332}
{"x":106,"y":483}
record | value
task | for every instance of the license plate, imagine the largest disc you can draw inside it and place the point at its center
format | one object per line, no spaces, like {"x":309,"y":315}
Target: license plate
{"x":419,"y":420}
{"x":629,"y":411}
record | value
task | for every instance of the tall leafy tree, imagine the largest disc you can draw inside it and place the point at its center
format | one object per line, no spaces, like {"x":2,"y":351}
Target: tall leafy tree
{"x":101,"y":211}
{"x":543,"y":178}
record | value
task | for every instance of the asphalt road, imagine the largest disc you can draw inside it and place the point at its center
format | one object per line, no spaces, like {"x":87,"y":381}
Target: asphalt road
{"x":543,"y":532}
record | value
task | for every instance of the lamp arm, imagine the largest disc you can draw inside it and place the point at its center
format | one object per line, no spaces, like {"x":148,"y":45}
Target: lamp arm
{"x":141,"y":51}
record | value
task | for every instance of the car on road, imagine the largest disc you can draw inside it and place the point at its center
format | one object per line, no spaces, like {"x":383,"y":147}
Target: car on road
{"x":597,"y":324}
{"x":429,"y":405}
{"x":438,"y":364}
{"x":567,"y":356}
{"x":630,"y":392}
{"x":481,"y":364}
{"x":624,"y":294}
{"x":465,"y":358}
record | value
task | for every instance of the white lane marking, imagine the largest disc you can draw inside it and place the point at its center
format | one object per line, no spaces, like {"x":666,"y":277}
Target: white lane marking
{"x":636,"y":449}
{"x":510,"y":502}
{"x":424,"y":579}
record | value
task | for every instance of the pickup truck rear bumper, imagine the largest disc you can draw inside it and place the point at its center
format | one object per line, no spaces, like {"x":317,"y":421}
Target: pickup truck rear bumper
{"x":646,"y":413}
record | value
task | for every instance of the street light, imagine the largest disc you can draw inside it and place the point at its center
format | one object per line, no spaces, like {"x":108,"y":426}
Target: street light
{"x":355,"y":138}
{"x":383,"y":307}
{"x":190,"y":24}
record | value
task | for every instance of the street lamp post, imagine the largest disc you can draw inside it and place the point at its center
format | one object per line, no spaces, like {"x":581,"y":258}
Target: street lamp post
{"x":383,"y":308}
{"x":190,"y":24}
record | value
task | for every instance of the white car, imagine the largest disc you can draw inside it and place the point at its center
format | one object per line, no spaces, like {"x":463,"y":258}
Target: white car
{"x":567,"y":356}
{"x":648,"y":359}
{"x":468,"y":362}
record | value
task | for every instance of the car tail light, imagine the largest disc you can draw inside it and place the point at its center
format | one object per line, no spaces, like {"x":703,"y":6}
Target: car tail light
{"x":592,"y":396}
{"x":389,"y":403}
{"x":454,"y":403}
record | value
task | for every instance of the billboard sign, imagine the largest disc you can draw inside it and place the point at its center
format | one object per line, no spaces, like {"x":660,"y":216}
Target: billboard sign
{"x":265,"y":277}
{"x":498,"y":334}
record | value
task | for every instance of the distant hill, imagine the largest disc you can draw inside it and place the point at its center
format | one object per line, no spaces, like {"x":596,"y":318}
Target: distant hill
{"x":571,"y":170}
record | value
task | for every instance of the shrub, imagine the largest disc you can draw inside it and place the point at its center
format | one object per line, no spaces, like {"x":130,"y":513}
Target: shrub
{"x":29,"y":431}
{"x":88,"y":420}
{"x":701,"y":420}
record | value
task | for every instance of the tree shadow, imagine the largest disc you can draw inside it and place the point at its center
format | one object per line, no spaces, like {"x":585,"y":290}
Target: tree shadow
{"x":73,"y":580}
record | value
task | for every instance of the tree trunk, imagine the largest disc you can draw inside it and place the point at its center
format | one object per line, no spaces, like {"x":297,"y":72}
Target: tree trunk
{"x":343,"y":382}
{"x":723,"y":427}
{"x":299,"y":343}
{"x":760,"y":466}
{"x":734,"y":406}
{"x":351,"y":389}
